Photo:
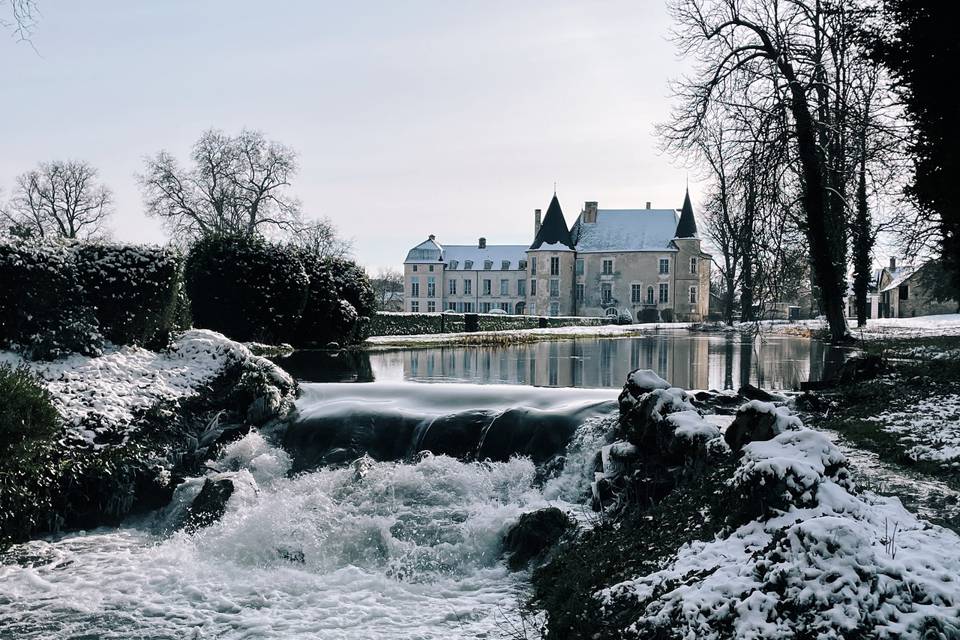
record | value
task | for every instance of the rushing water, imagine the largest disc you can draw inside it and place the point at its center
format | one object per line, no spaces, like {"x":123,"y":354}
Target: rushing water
{"x":397,"y":548}
{"x":688,"y":360}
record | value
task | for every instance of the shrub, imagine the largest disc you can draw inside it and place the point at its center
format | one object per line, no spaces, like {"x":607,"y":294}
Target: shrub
{"x":339,"y":304}
{"x":27,"y":411}
{"x":133,"y":290}
{"x":649,"y":315}
{"x":246,"y":288}
{"x":42,"y":310}
{"x":667,"y":315}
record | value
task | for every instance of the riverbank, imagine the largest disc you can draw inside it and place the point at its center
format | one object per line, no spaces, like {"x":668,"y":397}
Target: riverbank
{"x":518,"y":336}
{"x":132,"y":423}
{"x":876,"y":328}
{"x":908,"y":415}
{"x":758,"y":532}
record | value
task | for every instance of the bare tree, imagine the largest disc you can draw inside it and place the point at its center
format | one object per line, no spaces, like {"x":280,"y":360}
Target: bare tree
{"x":59,"y":199}
{"x":387,"y":283}
{"x":19,"y":17}
{"x":321,"y":238}
{"x":237,"y":185}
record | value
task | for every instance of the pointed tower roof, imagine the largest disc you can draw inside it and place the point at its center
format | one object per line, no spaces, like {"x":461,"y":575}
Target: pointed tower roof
{"x":554,"y":228}
{"x":687,"y":227}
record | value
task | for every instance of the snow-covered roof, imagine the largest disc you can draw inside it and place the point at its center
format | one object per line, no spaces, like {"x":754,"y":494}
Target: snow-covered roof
{"x":898,"y":276}
{"x":627,"y":230}
{"x":427,"y":251}
{"x":455,"y":256}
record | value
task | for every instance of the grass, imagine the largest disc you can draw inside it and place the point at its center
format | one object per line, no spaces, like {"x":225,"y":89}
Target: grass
{"x":907,"y":382}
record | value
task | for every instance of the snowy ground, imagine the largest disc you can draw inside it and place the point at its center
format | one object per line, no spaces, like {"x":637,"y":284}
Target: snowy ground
{"x":520,"y":335}
{"x":837,"y":563}
{"x":125,"y":380}
{"x":930,"y":427}
{"x":876,"y":329}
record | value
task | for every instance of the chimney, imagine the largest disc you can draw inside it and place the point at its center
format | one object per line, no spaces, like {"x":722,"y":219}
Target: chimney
{"x":893,"y":263}
{"x":483,"y":243}
{"x":536,"y":222}
{"x":589,"y":212}
{"x":433,"y":237}
{"x":648,"y":205}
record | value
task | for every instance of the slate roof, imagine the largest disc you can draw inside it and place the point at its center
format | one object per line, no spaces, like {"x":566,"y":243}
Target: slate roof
{"x":427,"y":251}
{"x":553,"y":234}
{"x":627,"y":230}
{"x":898,"y":276}
{"x":687,"y":227}
{"x":497,"y":253}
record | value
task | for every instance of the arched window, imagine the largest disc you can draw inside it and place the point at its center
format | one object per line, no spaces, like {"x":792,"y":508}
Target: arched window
{"x":650,"y":294}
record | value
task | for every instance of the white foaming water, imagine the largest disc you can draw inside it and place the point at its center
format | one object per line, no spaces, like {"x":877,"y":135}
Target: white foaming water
{"x":388,"y":551}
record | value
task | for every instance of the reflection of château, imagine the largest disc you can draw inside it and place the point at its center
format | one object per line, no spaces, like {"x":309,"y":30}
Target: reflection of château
{"x":694,"y":362}
{"x":644,"y":263}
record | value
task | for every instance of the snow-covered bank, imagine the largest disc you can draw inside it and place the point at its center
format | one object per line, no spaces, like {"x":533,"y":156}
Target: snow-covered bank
{"x":124,"y":381}
{"x":876,"y":329}
{"x":521,"y":335}
{"x":837,"y":562}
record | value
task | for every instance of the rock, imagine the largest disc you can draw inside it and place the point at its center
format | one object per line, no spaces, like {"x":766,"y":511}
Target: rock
{"x":643,"y":424}
{"x":751,"y":392}
{"x":860,"y":369}
{"x":209,"y":505}
{"x":719,"y":402}
{"x":810,"y":402}
{"x":757,"y":421}
{"x":534,"y":534}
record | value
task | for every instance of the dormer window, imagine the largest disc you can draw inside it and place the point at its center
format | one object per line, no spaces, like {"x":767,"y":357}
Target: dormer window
{"x":468,"y":264}
{"x":453,"y":264}
{"x":487,"y":265}
{"x":522,"y":264}
{"x":504,"y":265}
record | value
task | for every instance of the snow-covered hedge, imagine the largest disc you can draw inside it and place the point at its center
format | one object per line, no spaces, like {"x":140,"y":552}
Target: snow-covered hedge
{"x":66,"y":298}
{"x":254,"y":290}
{"x":408,"y":324}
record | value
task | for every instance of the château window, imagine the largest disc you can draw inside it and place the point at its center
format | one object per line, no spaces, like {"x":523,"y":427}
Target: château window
{"x":504,"y":287}
{"x":664,"y":292}
{"x":904,"y":292}
{"x":650,"y":294}
{"x":636,"y":293}
{"x":579,"y":266}
{"x":693,"y":295}
{"x":505,"y":306}
{"x":453,"y":287}
{"x":533,"y":266}
{"x":522,"y":264}
{"x":430,"y":268}
{"x":415,"y":287}
{"x":579,"y":292}
{"x":484,"y":307}
{"x":521,"y":287}
{"x":467,"y":287}
{"x":533,"y":286}
{"x":608,"y":267}
{"x":451,"y":306}
{"x":504,"y":265}
{"x":431,"y":287}
{"x":431,"y":306}
{"x":664,"y":265}
{"x":554,"y":288}
{"x":486,"y":287}
{"x":554,"y":266}
{"x":468,"y":307}
{"x":415,"y":306}
{"x":453,"y":264}
{"x":554,"y":308}
{"x":487,"y":265}
{"x":468,"y":264}
{"x":606,"y":293}
{"x":693,"y":265}
{"x":414,"y":267}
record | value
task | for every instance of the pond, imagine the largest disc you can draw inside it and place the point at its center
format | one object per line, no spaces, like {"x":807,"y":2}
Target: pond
{"x":688,"y":360}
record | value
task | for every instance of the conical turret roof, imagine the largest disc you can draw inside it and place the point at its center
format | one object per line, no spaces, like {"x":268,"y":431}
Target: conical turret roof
{"x":554,"y":228}
{"x":687,"y":227}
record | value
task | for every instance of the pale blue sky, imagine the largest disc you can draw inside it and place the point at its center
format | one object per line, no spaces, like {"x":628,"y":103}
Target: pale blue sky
{"x":409,"y":118}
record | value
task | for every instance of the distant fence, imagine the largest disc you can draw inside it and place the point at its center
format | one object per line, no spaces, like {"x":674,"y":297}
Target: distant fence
{"x":387,"y":323}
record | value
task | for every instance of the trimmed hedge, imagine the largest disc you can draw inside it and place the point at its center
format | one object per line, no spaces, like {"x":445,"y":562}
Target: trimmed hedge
{"x":66,"y":298}
{"x":253,"y":290}
{"x":134,"y":291}
{"x":42,"y":309}
{"x":246,"y":288}
{"x":405,"y":324}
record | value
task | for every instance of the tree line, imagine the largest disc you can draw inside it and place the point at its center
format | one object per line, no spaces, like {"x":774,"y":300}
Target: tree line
{"x":231,"y":186}
{"x":812,"y":121}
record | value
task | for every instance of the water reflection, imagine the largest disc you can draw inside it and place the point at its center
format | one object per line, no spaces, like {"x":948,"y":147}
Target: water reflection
{"x":693,"y":361}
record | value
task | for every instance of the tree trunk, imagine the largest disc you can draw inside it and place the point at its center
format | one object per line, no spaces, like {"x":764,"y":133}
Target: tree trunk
{"x":862,"y":247}
{"x":828,"y":275}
